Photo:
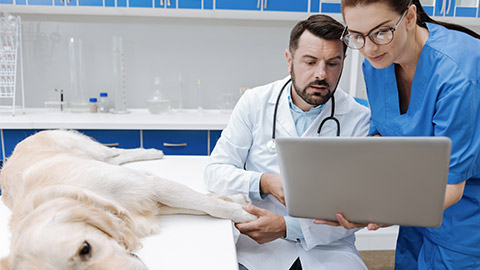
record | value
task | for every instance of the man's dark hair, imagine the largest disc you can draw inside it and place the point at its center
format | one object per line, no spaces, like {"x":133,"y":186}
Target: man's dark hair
{"x":320,"y":25}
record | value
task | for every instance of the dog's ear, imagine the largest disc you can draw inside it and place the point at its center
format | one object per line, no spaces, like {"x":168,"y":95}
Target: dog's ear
{"x":112,"y":225}
{"x":4,"y":264}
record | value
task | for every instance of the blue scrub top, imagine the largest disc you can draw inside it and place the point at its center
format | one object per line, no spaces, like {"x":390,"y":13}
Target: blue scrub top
{"x":445,"y":101}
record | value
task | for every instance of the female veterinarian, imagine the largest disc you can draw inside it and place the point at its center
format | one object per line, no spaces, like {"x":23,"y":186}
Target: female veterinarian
{"x":423,"y":79}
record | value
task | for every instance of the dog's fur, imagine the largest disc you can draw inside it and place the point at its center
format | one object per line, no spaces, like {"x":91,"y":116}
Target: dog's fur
{"x":74,"y":207}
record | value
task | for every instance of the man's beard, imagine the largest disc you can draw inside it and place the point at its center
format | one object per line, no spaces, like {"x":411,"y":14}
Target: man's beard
{"x":314,"y":99}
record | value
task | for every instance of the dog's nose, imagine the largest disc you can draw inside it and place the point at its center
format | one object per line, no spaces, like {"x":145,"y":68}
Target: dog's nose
{"x":138,"y":263}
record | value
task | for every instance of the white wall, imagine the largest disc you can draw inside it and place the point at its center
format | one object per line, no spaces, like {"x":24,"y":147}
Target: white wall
{"x":225,"y":54}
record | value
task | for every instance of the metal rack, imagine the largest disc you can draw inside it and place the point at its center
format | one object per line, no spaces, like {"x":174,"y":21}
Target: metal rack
{"x":11,"y":62}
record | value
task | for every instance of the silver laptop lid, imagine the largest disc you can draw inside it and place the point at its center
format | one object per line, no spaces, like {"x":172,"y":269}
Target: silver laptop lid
{"x":386,"y":180}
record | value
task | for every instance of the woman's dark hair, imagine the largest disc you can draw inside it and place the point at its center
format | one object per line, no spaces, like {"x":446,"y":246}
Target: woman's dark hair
{"x":321,"y":26}
{"x":422,"y":17}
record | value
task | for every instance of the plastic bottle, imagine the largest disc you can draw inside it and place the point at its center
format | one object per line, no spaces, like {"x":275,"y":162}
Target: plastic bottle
{"x":103,"y":104}
{"x":93,"y":105}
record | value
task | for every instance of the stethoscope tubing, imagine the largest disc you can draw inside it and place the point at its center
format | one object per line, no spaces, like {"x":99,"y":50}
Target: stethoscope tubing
{"x":331,"y":117}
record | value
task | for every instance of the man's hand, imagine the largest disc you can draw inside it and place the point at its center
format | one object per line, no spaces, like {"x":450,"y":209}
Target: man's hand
{"x":268,"y":227}
{"x":272,"y":184}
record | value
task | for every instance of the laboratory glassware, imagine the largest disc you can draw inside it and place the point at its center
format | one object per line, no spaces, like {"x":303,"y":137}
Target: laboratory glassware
{"x":119,"y":75}
{"x":11,"y":59}
{"x":77,"y":97}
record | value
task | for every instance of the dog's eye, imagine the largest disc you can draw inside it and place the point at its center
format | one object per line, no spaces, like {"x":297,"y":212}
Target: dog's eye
{"x":85,"y":251}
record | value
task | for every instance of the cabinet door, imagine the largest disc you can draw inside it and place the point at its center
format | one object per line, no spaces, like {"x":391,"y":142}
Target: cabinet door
{"x":330,"y":6}
{"x":444,"y":8}
{"x":171,"y":3}
{"x":177,"y":142}
{"x":238,"y":5}
{"x":192,"y":4}
{"x":466,"y":8}
{"x":95,"y":3}
{"x":41,"y":2}
{"x":286,"y":5}
{"x":12,"y":137}
{"x":428,"y":6}
{"x":315,"y":6}
{"x":214,"y":136}
{"x":117,"y":138}
{"x":140,"y":3}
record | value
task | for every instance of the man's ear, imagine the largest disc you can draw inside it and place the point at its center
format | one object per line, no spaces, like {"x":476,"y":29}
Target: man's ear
{"x":4,"y":264}
{"x":288,"y":56}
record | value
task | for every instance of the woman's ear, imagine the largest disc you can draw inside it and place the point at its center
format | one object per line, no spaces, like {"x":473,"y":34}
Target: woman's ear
{"x":411,"y":17}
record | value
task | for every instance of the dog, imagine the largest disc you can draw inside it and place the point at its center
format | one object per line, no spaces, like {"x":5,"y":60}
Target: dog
{"x":74,"y":207}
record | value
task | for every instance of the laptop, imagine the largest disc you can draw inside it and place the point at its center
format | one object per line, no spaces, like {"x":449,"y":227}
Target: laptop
{"x":384,"y":180}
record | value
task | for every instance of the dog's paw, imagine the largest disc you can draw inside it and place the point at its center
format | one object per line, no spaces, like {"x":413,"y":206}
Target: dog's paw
{"x":236,"y":198}
{"x":152,"y":153}
{"x":243,"y":216}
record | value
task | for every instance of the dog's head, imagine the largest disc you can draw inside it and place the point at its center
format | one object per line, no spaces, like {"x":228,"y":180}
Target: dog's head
{"x":68,"y":234}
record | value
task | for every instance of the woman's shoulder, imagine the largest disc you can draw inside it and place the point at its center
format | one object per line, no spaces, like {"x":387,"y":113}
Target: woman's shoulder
{"x":453,"y":44}
{"x":453,"y":49}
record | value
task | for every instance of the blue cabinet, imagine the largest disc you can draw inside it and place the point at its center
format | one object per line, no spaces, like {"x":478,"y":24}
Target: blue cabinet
{"x":127,"y":139}
{"x":190,"y":4}
{"x":213,"y":138}
{"x":465,"y":8}
{"x":330,"y":7}
{"x":11,"y":137}
{"x":285,"y":5}
{"x":266,"y":5}
{"x":96,"y":3}
{"x":238,"y":5}
{"x":175,"y":142}
{"x":165,"y":3}
{"x":429,"y":7}
{"x":456,"y":8}
{"x":140,"y":3}
{"x":116,"y":138}
{"x":443,"y":9}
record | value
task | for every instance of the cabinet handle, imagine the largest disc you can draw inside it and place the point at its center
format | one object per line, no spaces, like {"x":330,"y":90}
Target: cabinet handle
{"x":258,"y":4}
{"x":449,"y":6}
{"x":444,"y":3}
{"x":174,"y":144}
{"x":111,"y":144}
{"x":265,"y":6}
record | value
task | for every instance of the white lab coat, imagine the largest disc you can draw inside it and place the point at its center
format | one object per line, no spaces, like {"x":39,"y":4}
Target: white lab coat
{"x":241,"y":154}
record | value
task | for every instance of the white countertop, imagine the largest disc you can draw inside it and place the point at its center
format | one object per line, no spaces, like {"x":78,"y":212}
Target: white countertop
{"x":36,"y":118}
{"x":184,"y":241}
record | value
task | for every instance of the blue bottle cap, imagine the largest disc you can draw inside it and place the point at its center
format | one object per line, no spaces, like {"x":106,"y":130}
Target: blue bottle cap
{"x":93,"y":100}
{"x":103,"y":94}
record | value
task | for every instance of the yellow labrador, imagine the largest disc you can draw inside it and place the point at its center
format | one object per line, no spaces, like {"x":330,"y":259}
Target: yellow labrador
{"x":74,"y":207}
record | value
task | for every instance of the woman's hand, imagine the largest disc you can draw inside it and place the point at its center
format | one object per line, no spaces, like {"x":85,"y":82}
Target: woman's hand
{"x":342,"y":221}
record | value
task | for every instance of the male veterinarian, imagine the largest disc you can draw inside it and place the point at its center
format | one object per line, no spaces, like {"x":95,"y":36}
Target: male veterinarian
{"x":244,"y":159}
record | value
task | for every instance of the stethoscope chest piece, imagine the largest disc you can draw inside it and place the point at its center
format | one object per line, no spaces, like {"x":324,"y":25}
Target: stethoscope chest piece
{"x":271,"y":146}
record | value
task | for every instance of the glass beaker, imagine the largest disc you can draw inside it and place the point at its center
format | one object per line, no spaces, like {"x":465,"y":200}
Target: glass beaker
{"x":78,"y":102}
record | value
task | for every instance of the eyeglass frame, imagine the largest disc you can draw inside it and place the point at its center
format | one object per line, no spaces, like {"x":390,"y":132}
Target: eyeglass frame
{"x":392,"y":29}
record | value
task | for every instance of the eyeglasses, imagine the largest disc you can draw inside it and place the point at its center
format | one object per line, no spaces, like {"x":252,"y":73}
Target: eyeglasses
{"x":377,"y":36}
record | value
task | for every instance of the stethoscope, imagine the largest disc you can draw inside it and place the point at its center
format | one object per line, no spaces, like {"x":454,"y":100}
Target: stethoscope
{"x":271,"y":145}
